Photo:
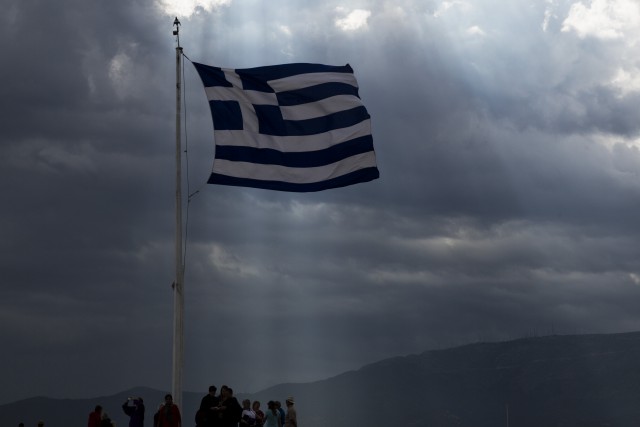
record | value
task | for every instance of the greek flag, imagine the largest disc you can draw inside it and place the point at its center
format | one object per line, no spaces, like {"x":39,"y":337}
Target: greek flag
{"x":291,"y":127}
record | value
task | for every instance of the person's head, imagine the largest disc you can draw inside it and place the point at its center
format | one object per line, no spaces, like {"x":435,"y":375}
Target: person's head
{"x":21,"y":425}
{"x":246,"y":404}
{"x":212,"y":390}
{"x":138,"y":401}
{"x":278,"y":404}
{"x":98,"y":409}
{"x":40,"y":423}
{"x":271,"y":405}
{"x":168,"y":399}
{"x":224,"y":392}
{"x":289,"y":402}
{"x":256,"y":405}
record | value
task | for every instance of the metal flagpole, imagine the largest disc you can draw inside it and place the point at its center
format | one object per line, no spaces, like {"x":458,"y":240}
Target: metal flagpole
{"x":178,"y":302}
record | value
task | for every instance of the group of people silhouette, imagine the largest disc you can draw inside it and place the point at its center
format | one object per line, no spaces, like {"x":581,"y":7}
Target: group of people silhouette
{"x":215,"y":410}
{"x":223,"y":410}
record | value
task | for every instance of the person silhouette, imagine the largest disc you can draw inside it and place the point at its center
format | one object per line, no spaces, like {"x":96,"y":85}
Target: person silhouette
{"x":135,"y":412}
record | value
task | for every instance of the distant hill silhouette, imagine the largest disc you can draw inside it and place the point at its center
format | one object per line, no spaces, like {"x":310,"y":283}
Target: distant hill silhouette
{"x":568,"y":381}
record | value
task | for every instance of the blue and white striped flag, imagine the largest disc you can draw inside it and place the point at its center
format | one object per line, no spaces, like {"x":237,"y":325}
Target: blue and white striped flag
{"x":292,"y":127}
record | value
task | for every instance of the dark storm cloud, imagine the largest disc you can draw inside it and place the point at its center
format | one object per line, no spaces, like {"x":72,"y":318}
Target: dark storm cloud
{"x":78,"y":188}
{"x":507,"y":203}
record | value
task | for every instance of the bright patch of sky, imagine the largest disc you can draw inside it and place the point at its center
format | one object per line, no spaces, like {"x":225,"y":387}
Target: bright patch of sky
{"x":117,"y":68}
{"x":285,"y":30}
{"x":123,"y":70}
{"x":186,"y":8}
{"x":626,"y":81}
{"x":228,"y":262}
{"x":353,"y":20}
{"x":613,"y":21}
{"x":548,"y":14}
{"x":475,"y":31}
{"x":50,"y":159}
{"x":603,"y":19}
{"x":446,"y":6}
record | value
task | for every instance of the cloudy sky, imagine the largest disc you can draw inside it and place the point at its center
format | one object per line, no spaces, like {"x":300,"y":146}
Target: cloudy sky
{"x":507,"y":135}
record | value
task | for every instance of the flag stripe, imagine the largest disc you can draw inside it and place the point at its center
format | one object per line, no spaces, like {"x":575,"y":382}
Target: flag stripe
{"x":320,"y":108}
{"x":272,"y":123}
{"x":221,"y":93}
{"x":241,"y":138}
{"x":356,"y":177}
{"x":304,"y":159}
{"x":292,"y":174}
{"x":315,"y":93}
{"x":307,"y":80}
{"x":276,"y":72}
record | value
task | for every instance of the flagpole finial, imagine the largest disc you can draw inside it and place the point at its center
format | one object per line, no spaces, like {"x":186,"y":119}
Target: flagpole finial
{"x":176,"y":32}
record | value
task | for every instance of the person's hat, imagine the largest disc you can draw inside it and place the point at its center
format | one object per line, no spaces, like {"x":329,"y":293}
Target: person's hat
{"x":290,"y":400}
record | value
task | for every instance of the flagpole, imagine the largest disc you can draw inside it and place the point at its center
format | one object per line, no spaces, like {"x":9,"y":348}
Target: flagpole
{"x":178,"y":301}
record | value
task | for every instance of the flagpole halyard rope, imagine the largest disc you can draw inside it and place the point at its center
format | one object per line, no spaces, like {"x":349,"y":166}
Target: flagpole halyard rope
{"x":186,"y":162}
{"x":190,"y":195}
